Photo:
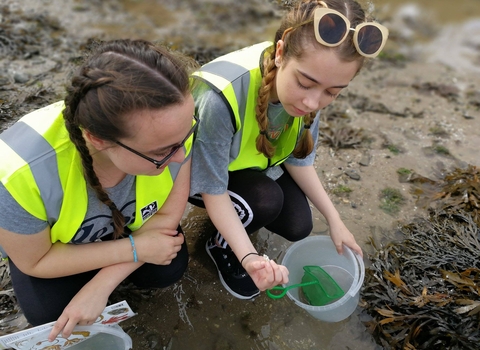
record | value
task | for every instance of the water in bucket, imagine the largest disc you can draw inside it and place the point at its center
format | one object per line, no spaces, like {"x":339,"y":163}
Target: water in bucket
{"x":317,"y":288}
{"x":106,"y":341}
{"x":347,"y":270}
{"x":325,"y":291}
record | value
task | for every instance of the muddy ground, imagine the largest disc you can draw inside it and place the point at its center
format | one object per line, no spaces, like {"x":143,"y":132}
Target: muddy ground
{"x":401,"y":112}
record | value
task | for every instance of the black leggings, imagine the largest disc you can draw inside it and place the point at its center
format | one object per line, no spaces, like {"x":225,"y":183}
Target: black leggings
{"x":280,"y":206}
{"x":43,"y":300}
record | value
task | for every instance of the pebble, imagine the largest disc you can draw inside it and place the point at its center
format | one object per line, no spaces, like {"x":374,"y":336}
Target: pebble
{"x":21,"y":78}
{"x":140,"y":330}
{"x":353,"y":174}
{"x":365,"y":160}
{"x":153,"y":340}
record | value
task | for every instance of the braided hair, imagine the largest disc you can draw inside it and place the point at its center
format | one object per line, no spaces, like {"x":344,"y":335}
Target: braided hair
{"x":120,"y":77}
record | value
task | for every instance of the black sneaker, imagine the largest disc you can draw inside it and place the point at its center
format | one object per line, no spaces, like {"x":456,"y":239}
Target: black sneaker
{"x":232,"y":275}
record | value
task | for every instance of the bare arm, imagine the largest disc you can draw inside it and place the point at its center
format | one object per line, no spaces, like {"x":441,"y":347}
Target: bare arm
{"x":89,"y":302}
{"x":224,"y":217}
{"x":36,"y":256}
{"x":162,"y":227}
{"x":307,"y":179}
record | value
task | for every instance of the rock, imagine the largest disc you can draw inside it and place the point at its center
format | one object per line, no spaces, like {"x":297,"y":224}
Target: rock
{"x":21,"y":78}
{"x":365,"y":160}
{"x":353,"y":174}
{"x":140,"y":330}
{"x":153,"y":340}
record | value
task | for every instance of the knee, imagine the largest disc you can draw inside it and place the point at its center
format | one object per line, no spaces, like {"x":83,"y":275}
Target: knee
{"x":295,"y":230}
{"x":271,"y":207}
{"x":269,"y":201}
{"x":177,"y":269}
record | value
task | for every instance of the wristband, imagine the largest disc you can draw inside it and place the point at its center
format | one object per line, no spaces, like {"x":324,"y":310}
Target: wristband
{"x":134,"y":250}
{"x":241,"y":261}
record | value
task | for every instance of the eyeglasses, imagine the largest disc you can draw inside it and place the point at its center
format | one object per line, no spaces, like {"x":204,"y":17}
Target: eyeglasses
{"x":174,"y":150}
{"x":332,"y":28}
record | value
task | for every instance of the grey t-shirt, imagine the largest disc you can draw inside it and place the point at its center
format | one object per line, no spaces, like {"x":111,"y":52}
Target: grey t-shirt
{"x":98,"y":219}
{"x":213,"y":141}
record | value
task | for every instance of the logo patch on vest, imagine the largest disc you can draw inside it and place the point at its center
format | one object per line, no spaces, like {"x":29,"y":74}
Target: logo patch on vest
{"x":149,"y":210}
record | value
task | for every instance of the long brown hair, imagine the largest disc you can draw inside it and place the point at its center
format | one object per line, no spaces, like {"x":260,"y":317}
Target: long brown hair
{"x":294,"y":47}
{"x":119,"y":77}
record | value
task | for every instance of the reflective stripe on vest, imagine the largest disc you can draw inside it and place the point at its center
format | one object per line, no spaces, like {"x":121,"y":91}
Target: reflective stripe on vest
{"x":237,"y":78}
{"x":42,"y":170}
{"x":26,"y":171}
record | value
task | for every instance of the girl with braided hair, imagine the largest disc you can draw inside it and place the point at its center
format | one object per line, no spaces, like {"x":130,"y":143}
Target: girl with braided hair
{"x":93,"y":188}
{"x":254,"y":151}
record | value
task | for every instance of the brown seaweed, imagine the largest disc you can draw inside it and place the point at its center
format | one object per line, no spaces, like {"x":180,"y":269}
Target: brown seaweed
{"x":335,"y":132}
{"x":423,"y":292}
{"x":457,"y":191}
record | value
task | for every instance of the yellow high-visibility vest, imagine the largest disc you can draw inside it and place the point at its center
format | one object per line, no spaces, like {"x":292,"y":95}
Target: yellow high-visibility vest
{"x":42,"y":170}
{"x":236,"y":77}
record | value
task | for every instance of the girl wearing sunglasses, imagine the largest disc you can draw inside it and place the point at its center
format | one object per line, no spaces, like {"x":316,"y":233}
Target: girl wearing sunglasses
{"x":255,"y":147}
{"x":93,"y":188}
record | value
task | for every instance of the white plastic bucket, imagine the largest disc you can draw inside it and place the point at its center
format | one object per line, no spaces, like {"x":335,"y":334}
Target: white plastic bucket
{"x":108,"y":337}
{"x":348,"y":270}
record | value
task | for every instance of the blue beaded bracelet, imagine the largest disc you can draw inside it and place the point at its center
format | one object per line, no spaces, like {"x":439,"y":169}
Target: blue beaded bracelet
{"x":135,"y":259}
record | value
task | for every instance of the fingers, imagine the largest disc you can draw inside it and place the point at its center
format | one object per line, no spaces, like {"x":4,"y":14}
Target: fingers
{"x":67,"y":322}
{"x":57,"y":328}
{"x":65,"y":326}
{"x":339,"y":248}
{"x":173,"y":233}
{"x":176,"y":247}
{"x":356,"y":248}
{"x":179,"y":239}
{"x":68,"y":329}
{"x":280,"y":273}
{"x":257,"y":264}
{"x":159,"y":247}
{"x":268,"y":273}
{"x":175,"y":244}
{"x":283,"y":274}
